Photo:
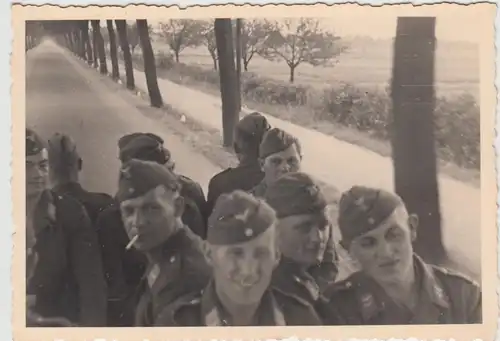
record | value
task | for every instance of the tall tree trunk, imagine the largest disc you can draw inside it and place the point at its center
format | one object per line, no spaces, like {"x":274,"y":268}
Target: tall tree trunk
{"x":228,"y":80}
{"x":176,"y":52}
{"x":414,"y":154}
{"x":149,"y":63}
{"x":86,"y":40}
{"x":94,"y":48}
{"x":238,"y":60}
{"x":214,"y":59}
{"x":245,"y":64}
{"x":121,"y":27}
{"x":101,"y":52}
{"x":292,"y":73}
{"x":115,"y":73}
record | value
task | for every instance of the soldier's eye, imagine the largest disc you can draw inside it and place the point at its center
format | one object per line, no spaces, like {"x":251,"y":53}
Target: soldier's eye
{"x":236,"y":252}
{"x":367,"y":242}
{"x":261,"y":253}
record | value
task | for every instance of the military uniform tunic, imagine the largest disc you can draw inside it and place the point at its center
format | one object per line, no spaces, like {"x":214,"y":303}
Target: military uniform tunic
{"x":204,"y":309}
{"x":183,"y":269}
{"x":444,"y":298}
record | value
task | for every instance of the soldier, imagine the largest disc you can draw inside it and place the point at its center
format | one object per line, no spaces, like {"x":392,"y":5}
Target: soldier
{"x":394,"y":285}
{"x":279,"y":153}
{"x":151,"y":207}
{"x":149,"y":147}
{"x":248,"y":135}
{"x":65,"y":165}
{"x":125,"y":268}
{"x":242,"y":250}
{"x":304,"y":231}
{"x":68,"y":281}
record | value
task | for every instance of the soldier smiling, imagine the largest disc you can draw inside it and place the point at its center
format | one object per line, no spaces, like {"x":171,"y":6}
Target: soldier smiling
{"x":394,"y":286}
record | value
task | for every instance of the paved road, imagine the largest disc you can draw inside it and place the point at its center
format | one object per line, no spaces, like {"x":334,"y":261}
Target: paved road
{"x":62,"y":95}
{"x":343,"y":165}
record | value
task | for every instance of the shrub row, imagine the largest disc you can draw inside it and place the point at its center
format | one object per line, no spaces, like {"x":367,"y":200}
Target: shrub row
{"x":457,"y":120}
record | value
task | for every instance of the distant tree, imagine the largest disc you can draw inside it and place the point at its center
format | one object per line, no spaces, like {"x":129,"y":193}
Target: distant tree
{"x":207,"y":34}
{"x":115,"y":73}
{"x":132,"y":36}
{"x":94,"y":44}
{"x":121,"y":27}
{"x":180,"y":34}
{"x":253,"y":35}
{"x":299,"y":41}
{"x":96,"y":26}
{"x":149,"y":63}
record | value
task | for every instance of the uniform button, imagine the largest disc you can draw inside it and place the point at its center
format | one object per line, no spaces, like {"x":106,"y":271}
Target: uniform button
{"x":172,"y":259}
{"x":348,"y":285}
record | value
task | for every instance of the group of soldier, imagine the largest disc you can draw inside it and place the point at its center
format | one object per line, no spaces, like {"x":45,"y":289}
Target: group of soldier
{"x":257,"y":251}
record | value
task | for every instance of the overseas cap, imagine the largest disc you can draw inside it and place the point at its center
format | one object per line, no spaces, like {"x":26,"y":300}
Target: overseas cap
{"x":143,"y":146}
{"x":34,"y":144}
{"x":362,"y":209}
{"x":276,"y":140}
{"x":238,"y":217}
{"x":62,"y":151}
{"x":294,"y":194}
{"x":138,"y":177}
{"x":252,"y":127}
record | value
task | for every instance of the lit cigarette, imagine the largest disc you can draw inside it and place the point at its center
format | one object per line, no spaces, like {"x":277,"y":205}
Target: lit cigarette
{"x":132,"y":242}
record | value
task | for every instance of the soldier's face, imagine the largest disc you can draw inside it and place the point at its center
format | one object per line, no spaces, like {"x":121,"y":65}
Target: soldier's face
{"x":303,"y":238}
{"x":243,"y":271}
{"x":151,"y":217}
{"x":386,"y":253}
{"x":37,"y":173}
{"x":278,"y":164}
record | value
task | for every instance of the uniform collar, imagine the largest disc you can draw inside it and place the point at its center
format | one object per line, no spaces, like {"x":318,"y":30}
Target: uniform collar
{"x":213,"y":313}
{"x":372,"y":297}
{"x":301,"y":280}
{"x":430,"y":285}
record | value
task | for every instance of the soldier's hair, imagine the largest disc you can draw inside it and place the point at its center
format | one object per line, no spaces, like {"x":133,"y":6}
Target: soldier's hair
{"x":64,"y":159}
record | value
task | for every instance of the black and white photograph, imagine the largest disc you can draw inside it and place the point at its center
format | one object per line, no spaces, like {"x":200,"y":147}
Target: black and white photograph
{"x":253,"y":169}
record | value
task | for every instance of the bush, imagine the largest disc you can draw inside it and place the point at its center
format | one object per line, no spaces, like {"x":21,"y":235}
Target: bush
{"x":457,"y":120}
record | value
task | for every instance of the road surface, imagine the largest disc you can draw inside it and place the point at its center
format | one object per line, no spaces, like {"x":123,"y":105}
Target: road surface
{"x":62,"y":95}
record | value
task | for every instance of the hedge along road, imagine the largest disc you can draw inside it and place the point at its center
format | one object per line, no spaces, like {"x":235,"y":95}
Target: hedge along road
{"x":343,"y":165}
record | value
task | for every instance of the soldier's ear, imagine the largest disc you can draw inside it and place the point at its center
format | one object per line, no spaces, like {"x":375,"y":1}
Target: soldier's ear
{"x":413,"y":224}
{"x":261,"y":163}
{"x":179,"y":205}
{"x":80,"y":164}
{"x":207,"y":251}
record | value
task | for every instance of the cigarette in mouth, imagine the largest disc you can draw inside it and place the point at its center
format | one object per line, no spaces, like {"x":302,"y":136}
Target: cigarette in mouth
{"x":132,"y":242}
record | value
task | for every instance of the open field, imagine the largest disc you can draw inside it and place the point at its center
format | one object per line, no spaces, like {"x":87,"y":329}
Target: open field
{"x":367,"y":65}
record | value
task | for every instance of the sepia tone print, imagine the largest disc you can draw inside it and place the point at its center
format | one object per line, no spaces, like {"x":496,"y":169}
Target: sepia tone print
{"x":317,"y":167}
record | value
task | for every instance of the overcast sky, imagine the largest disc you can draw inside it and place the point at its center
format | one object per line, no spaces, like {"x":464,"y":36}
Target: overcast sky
{"x":455,"y":23}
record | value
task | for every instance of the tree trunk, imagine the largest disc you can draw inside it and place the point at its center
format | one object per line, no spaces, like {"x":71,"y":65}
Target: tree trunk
{"x":245,"y":64}
{"x":292,"y":73}
{"x":115,"y":72}
{"x":86,"y":40}
{"x":414,"y":155}
{"x":228,"y":80}
{"x":99,"y":42}
{"x":238,"y":61}
{"x":149,"y":63}
{"x":121,"y":27}
{"x":214,"y":58}
{"x":94,"y":48}
{"x":176,"y":56}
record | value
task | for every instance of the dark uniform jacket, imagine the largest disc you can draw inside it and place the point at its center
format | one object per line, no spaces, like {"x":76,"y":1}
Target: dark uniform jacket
{"x":94,"y":203}
{"x":244,"y":177}
{"x":445,"y":298}
{"x":195,"y":214}
{"x":183,"y":269}
{"x":292,"y":279}
{"x":68,"y":280}
{"x":204,"y":309}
